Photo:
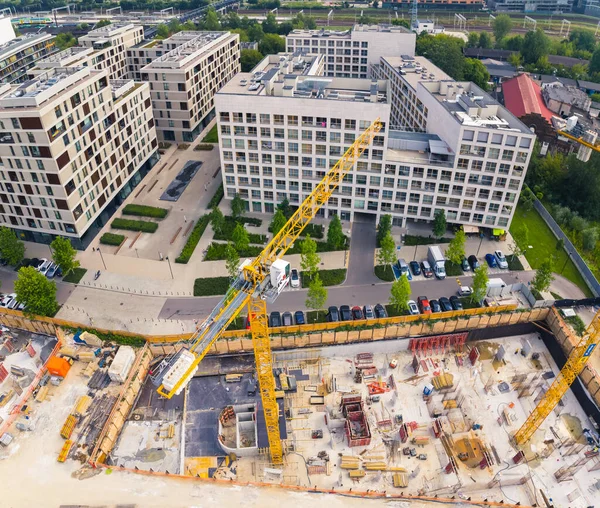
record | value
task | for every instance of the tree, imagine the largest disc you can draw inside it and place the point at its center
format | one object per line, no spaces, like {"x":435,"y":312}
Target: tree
{"x":271,"y":44}
{"x":285,"y":208}
{"x":439,"y":223}
{"x":514,"y":43}
{"x":399,"y":22}
{"x":527,"y":198}
{"x":475,"y":71}
{"x":384,"y":227}
{"x":309,"y":259}
{"x":103,"y":22}
{"x":480,"y":280}
{"x":485,"y":40}
{"x":473,"y":40}
{"x":255,"y":33}
{"x":502,"y":26}
{"x":162,"y":31}
{"x":174,"y":26}
{"x":217,"y":220}
{"x":249,"y":58}
{"x":543,"y":276}
{"x":240,"y":237}
{"x":211,"y":20}
{"x":232,"y":261}
{"x":11,"y":248}
{"x":335,"y":235}
{"x":583,"y":39}
{"x":520,"y":240}
{"x":400,"y":294}
{"x":594,"y":65}
{"x":535,"y":45}
{"x":65,"y":40}
{"x":516,"y":60}
{"x":278,"y":222}
{"x":387,"y":250}
{"x":64,"y":254}
{"x":444,"y":51}
{"x":316,"y":295}
{"x":238,"y":207}
{"x":456,"y":248}
{"x":36,"y":291}
{"x":589,"y":238}
{"x":242,"y":33}
{"x":269,"y":25}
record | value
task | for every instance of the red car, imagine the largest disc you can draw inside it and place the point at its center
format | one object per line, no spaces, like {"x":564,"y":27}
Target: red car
{"x":423,"y":304}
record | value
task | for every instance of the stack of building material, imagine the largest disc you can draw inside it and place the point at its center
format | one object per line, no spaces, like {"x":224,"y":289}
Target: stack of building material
{"x":42,"y":393}
{"x":99,"y":380}
{"x":68,"y":351}
{"x":82,"y":405}
{"x":68,"y":427}
{"x":121,"y":365}
{"x":355,"y":475}
{"x":90,"y":369}
{"x":86,"y":356}
{"x":62,"y":456}
{"x":375,"y":465}
{"x":400,"y":480}
{"x":420,"y":440}
{"x":445,"y":380}
{"x":350,"y":462}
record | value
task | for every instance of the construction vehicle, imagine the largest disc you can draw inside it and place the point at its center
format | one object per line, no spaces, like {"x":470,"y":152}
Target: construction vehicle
{"x":260,"y":280}
{"x":574,"y":365}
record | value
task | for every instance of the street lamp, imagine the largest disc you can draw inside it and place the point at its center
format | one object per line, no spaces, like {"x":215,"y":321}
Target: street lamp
{"x":170,"y":269}
{"x":480,"y":242}
{"x":566,"y":261}
{"x":101,"y":257}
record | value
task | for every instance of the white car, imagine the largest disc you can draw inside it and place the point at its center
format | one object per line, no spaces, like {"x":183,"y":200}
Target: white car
{"x":295,"y":279}
{"x":465,"y":291}
{"x":43,"y":266}
{"x":502,"y":263}
{"x":413,"y":310}
{"x":8,"y":299}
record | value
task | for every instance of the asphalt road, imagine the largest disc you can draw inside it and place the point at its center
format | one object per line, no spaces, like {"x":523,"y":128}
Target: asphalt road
{"x":362,"y":250}
{"x":8,"y":277}
{"x":293,"y":299}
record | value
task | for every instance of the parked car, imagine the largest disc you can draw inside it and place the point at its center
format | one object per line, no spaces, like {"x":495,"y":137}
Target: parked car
{"x":403,"y":267}
{"x":34,"y":262}
{"x":456,"y":303}
{"x":424,"y":305}
{"x":501,"y":259}
{"x":13,"y":304}
{"x":43,"y":265}
{"x":59,"y":272}
{"x":3,"y":262}
{"x":413,"y":310}
{"x":415,"y":268}
{"x":333,"y":314}
{"x":426,"y":269}
{"x":368,"y":312}
{"x":464,"y":264}
{"x":7,"y":299}
{"x":345,"y":314}
{"x":380,"y":311}
{"x":295,"y":279}
{"x":357,"y":313}
{"x":275,"y":319}
{"x":52,"y":271}
{"x":491,"y":260}
{"x":445,"y":304}
{"x":474,"y":262}
{"x":299,"y":317}
{"x":435,"y":306}
{"x":287,"y":319}
{"x":465,"y":291}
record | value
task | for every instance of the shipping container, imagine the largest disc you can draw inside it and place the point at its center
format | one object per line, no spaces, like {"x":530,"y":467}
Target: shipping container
{"x":58,"y":367}
{"x":121,"y":365}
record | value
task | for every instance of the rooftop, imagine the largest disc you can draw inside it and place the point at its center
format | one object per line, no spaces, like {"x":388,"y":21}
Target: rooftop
{"x":66,"y":57}
{"x":11,"y":47}
{"x":189,"y":45}
{"x":348,"y":33}
{"x":415,"y":69}
{"x":108,"y":31}
{"x":418,"y":147}
{"x":564,"y":93}
{"x":523,"y":96}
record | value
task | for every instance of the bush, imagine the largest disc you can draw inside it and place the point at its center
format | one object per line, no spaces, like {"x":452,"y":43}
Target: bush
{"x":217,"y":252}
{"x":514,"y":263}
{"x":216,"y":199}
{"x":453,"y":270}
{"x":385,"y":273}
{"x":123,"y":340}
{"x":315,"y":231}
{"x":164,"y":146}
{"x":134,"y":225}
{"x":329,"y":277}
{"x":75,"y":276}
{"x":211,"y":286}
{"x":112,"y":239}
{"x":183,"y":146}
{"x":229,"y":225}
{"x":204,"y":147}
{"x":192,"y":241}
{"x":321,"y":247}
{"x":316,"y":316}
{"x":577,"y":323}
{"x":412,"y":240}
{"x":145,"y":211}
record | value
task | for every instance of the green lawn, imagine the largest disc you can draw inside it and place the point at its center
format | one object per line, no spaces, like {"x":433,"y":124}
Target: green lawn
{"x":212,"y":136}
{"x":543,"y":242}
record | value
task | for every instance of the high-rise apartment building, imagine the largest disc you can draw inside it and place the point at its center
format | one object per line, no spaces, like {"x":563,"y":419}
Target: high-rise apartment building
{"x":445,"y":145}
{"x":351,"y":53}
{"x":19,"y":55}
{"x":549,"y":6}
{"x":184,"y":79}
{"x":73,"y":144}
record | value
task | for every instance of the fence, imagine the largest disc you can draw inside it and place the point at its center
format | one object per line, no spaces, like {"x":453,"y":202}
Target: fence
{"x":583,"y":268}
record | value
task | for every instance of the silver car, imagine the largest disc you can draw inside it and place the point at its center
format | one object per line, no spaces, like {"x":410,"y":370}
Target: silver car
{"x":501,"y":259}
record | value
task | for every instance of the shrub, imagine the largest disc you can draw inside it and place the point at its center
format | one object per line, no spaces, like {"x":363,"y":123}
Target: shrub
{"x":329,"y":277}
{"x":514,"y":263}
{"x":192,"y":241}
{"x":217,"y":252}
{"x":216,"y":199}
{"x":211,"y":286}
{"x":412,"y":240}
{"x":314,"y":230}
{"x":229,"y":225}
{"x":183,"y":146}
{"x":112,"y":239}
{"x":204,"y":147}
{"x":75,"y":275}
{"x":577,"y":323}
{"x":385,"y":273}
{"x":164,"y":146}
{"x":453,"y":270}
{"x":124,"y":340}
{"x":321,"y":247}
{"x":134,"y":225}
{"x":145,"y":211}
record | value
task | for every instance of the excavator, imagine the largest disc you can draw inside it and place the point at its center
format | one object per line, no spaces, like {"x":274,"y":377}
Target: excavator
{"x":260,"y":281}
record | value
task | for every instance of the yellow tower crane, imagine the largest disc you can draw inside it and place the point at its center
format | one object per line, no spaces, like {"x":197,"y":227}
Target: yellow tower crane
{"x":577,"y":359}
{"x":260,"y":281}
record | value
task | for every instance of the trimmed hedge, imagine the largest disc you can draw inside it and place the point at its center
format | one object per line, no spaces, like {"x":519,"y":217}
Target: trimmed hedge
{"x":124,"y":340}
{"x":385,"y":273}
{"x":183,"y":146}
{"x":204,"y":147}
{"x":163,"y":145}
{"x":192,"y":241}
{"x":112,"y":239}
{"x":453,"y":270}
{"x":329,"y":277}
{"x":134,"y":225}
{"x":145,"y":211}
{"x":211,"y":286}
{"x":514,"y":263}
{"x":412,"y":240}
{"x":216,"y":199}
{"x":316,"y":231}
{"x":75,"y":276}
{"x":217,"y":252}
{"x":321,"y":247}
{"x":229,"y":225}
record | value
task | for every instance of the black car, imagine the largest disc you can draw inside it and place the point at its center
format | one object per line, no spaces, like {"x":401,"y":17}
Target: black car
{"x":357,"y":313}
{"x":415,"y":268}
{"x":426,"y":269}
{"x":287,"y":318}
{"x":299,"y":317}
{"x":464,"y":264}
{"x":34,"y":262}
{"x":456,"y":303}
{"x":275,"y":319}
{"x":3,"y":262}
{"x":345,"y":314}
{"x":474,"y":262}
{"x":445,"y":304}
{"x":333,"y":314}
{"x":435,"y":306}
{"x":380,"y":311}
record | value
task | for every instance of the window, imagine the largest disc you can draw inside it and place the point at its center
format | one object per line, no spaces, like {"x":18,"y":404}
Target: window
{"x":493,"y":153}
{"x":482,"y":137}
{"x":468,"y":135}
{"x":497,"y":139}
{"x":511,"y":141}
{"x":507,"y":155}
{"x":265,"y":118}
